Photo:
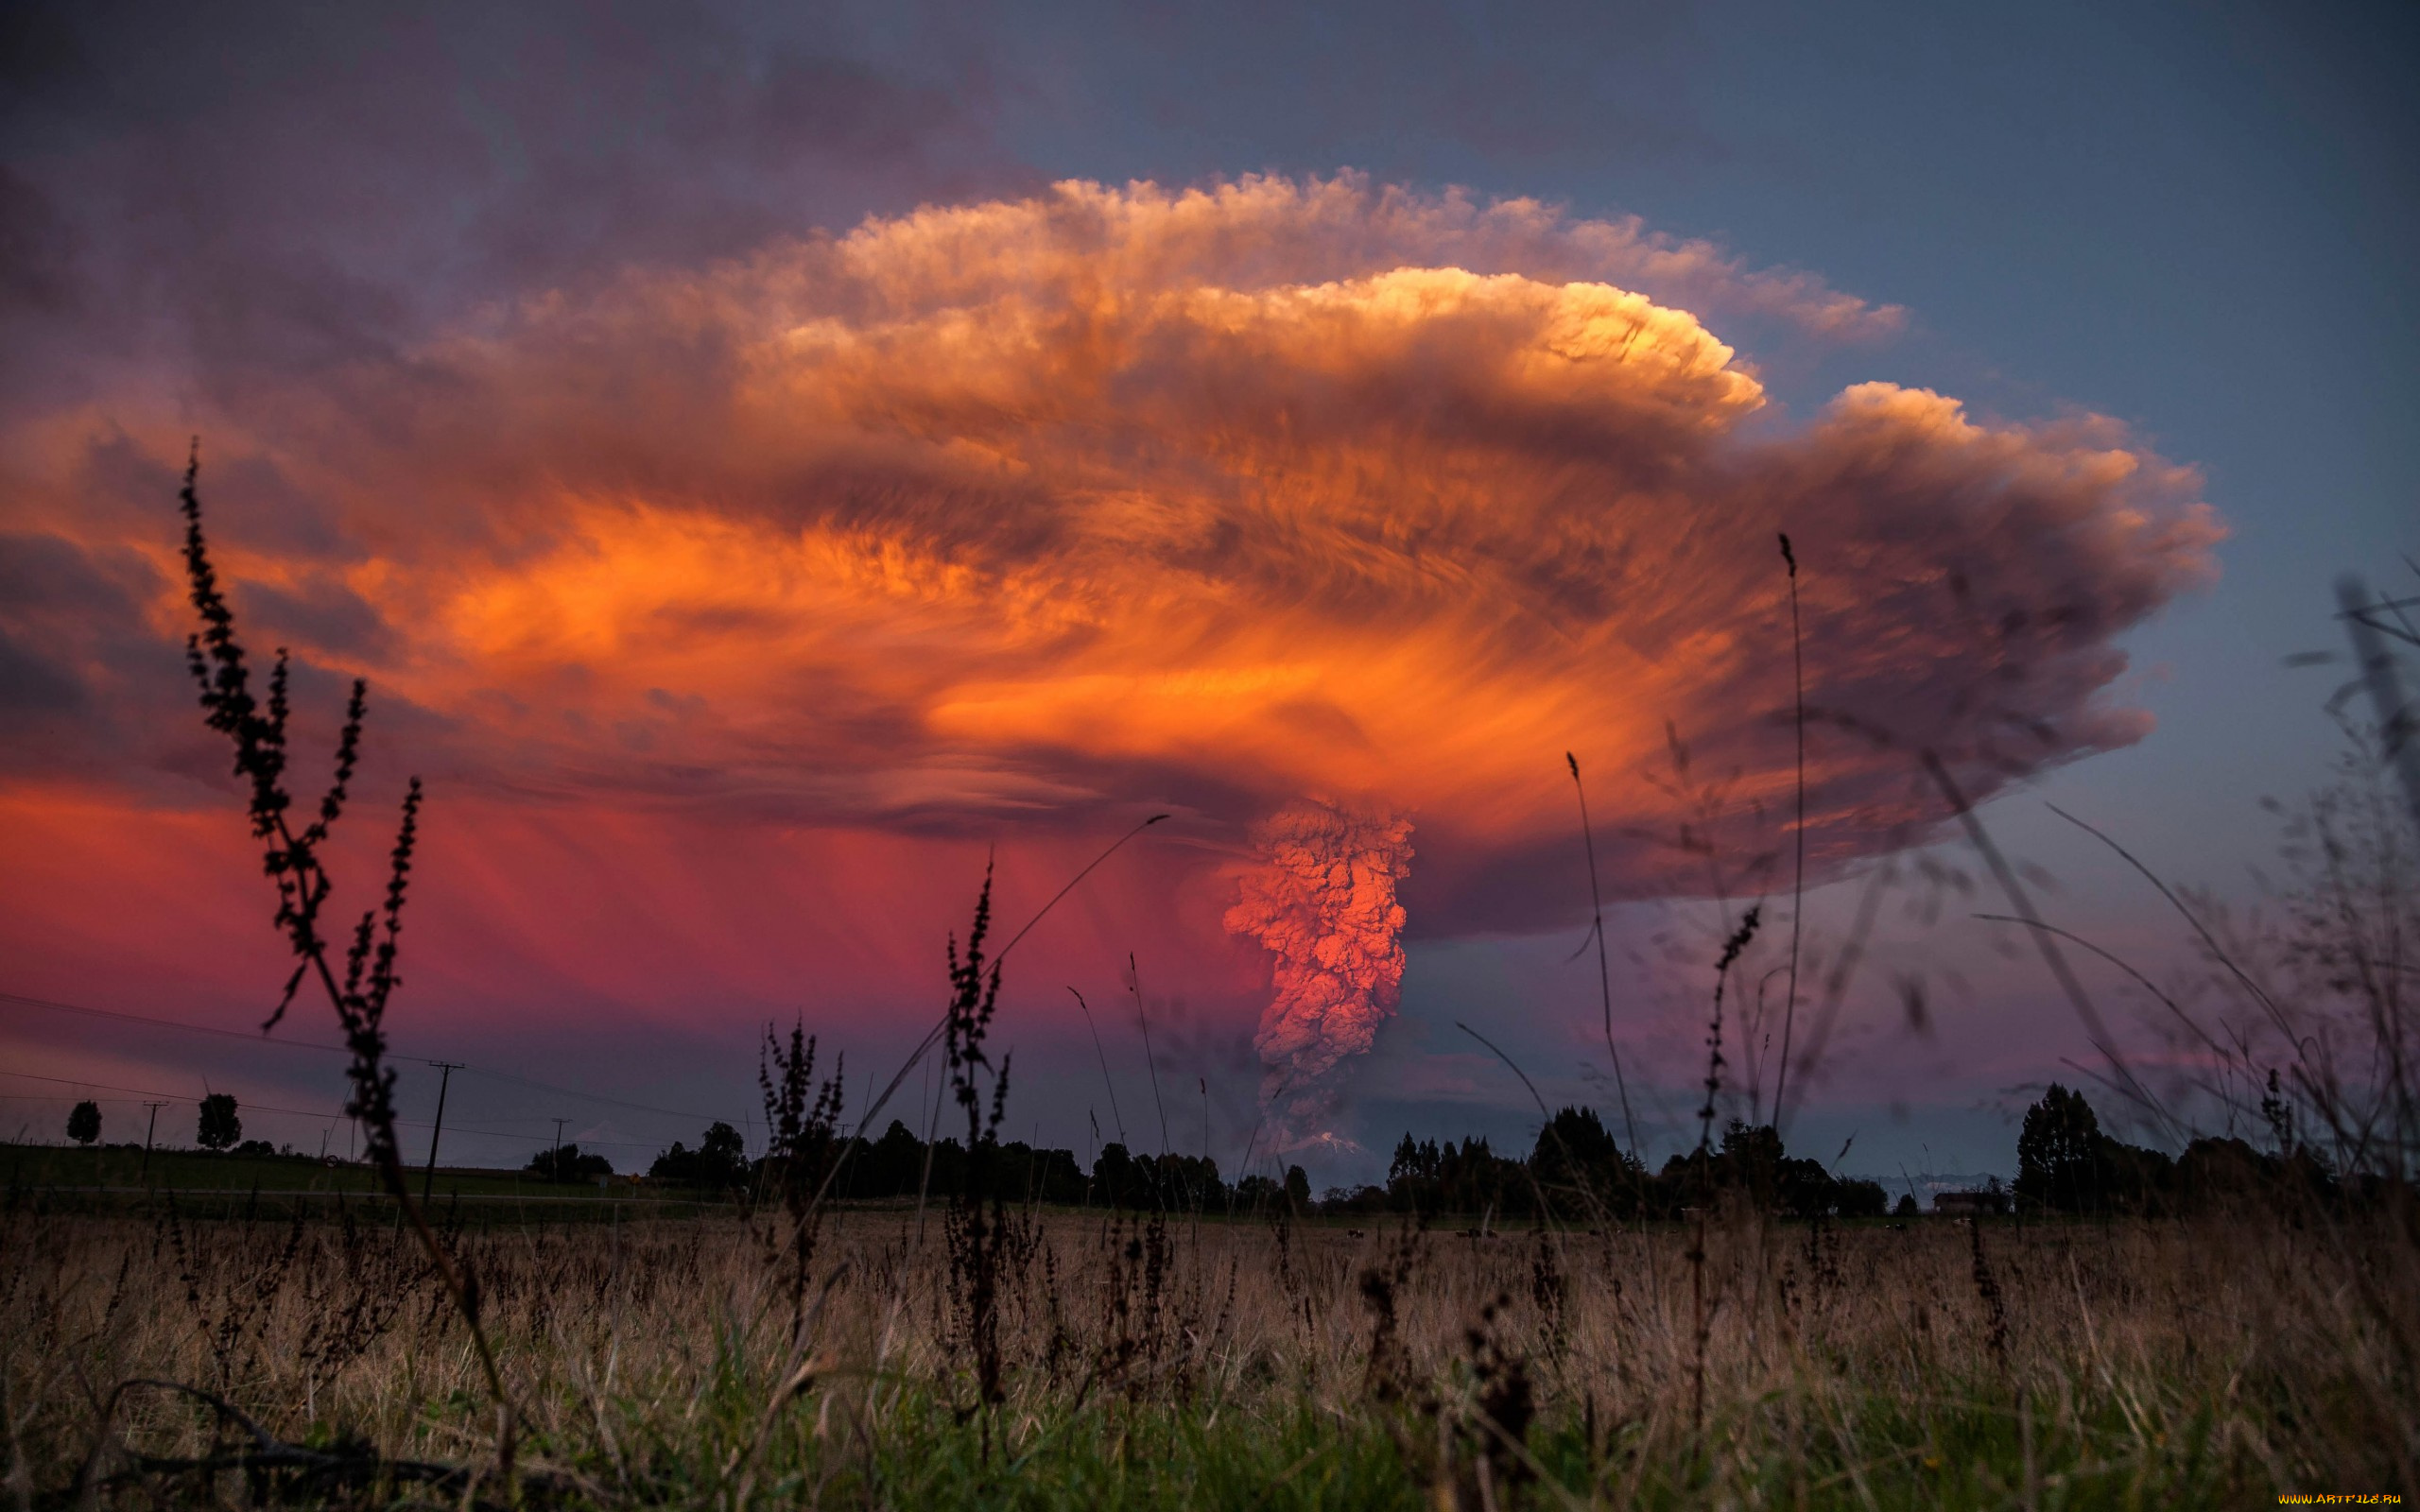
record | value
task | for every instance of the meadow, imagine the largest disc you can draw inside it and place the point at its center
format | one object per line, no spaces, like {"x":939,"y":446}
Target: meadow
{"x":1159,"y":1359}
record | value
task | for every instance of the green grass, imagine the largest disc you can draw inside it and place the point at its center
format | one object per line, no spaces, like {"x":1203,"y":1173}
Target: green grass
{"x":1864,"y":1451}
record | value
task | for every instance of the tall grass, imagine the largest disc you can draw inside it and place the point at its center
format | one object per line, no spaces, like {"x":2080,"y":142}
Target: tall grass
{"x":2200,"y":1362}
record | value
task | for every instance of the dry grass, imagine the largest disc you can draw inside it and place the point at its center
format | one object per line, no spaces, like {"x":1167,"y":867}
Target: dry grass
{"x":2158,"y":1362}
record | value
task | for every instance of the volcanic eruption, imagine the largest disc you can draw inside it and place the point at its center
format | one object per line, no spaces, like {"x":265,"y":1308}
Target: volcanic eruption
{"x":1323,"y":902}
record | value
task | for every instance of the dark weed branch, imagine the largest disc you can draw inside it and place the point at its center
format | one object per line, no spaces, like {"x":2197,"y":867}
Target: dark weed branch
{"x":1732,"y":950}
{"x":294,"y":862}
{"x":801,"y":1146}
{"x":978,"y":1229}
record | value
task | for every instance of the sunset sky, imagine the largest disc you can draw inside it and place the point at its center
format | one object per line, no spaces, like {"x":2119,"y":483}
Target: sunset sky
{"x":766,"y":461}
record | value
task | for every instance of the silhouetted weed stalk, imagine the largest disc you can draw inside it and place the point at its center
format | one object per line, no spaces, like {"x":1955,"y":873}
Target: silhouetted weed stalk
{"x":295,"y":863}
{"x":978,"y":1229}
{"x":801,"y":1147}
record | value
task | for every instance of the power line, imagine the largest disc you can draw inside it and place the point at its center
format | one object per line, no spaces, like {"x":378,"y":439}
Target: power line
{"x":593,"y":1097}
{"x":22,"y":1001}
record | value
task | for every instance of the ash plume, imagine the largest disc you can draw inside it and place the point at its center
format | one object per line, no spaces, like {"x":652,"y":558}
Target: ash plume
{"x":1323,"y":902}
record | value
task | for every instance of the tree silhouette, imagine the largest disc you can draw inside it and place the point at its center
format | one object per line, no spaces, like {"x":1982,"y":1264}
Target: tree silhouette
{"x":2058,"y":1153}
{"x":219,"y":1126}
{"x":85,"y":1124}
{"x":719,"y":1162}
{"x":1578,"y":1165}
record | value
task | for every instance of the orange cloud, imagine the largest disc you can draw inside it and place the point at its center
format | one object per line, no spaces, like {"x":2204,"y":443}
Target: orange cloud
{"x":1029,"y":513}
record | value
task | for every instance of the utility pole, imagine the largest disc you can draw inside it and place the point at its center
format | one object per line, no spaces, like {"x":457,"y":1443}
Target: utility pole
{"x":558,"y":1147}
{"x":446,"y":1069}
{"x":148,"y":1129}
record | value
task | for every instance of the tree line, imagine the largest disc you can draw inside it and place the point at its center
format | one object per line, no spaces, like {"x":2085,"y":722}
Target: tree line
{"x":2065,"y":1163}
{"x":899,"y":1164}
{"x":1574,"y":1171}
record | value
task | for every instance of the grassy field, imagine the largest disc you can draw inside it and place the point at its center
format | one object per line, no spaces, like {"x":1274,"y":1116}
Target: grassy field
{"x":1161,"y":1363}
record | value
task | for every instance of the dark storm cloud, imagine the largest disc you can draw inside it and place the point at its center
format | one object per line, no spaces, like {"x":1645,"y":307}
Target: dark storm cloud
{"x":289,"y":188}
{"x":79,"y":668}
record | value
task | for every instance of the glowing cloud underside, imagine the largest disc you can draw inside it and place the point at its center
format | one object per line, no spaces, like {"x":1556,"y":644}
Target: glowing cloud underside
{"x":1031,"y":511}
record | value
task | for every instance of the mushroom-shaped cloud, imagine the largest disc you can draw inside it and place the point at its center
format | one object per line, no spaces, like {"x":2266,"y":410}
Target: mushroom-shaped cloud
{"x":1220,"y":500}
